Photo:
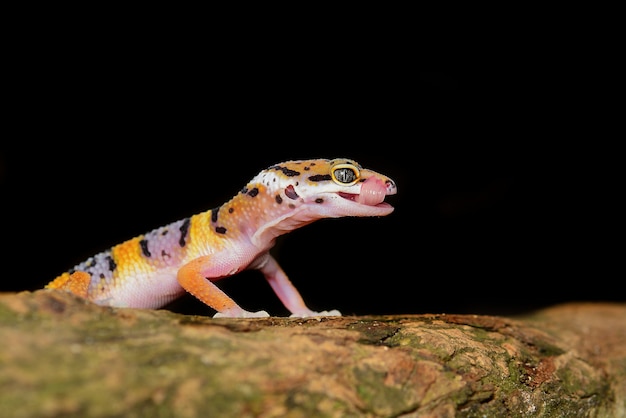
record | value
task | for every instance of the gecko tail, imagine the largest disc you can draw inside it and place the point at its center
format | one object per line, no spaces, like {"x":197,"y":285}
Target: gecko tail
{"x":77,"y":283}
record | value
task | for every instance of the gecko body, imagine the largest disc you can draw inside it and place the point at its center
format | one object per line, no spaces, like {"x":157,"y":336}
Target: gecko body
{"x":189,"y":255}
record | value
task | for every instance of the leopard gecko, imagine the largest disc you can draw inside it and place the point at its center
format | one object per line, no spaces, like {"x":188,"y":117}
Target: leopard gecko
{"x":189,"y":255}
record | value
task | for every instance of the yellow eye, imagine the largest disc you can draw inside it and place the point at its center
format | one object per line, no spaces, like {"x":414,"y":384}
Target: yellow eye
{"x":345,"y":174}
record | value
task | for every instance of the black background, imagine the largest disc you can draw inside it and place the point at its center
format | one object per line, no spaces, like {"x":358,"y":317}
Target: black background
{"x":502,"y":206}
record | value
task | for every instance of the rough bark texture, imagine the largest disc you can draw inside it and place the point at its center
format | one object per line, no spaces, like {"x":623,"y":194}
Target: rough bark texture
{"x":61,"y":356}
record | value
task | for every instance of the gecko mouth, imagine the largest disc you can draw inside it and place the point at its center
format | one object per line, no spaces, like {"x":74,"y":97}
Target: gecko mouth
{"x":373,"y":192}
{"x":357,"y":198}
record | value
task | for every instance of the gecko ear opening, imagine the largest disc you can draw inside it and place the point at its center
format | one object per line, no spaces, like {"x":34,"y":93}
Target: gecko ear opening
{"x":291,"y":193}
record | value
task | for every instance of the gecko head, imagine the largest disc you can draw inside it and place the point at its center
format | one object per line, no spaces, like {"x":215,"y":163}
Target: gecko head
{"x":295,"y":193}
{"x":335,"y":188}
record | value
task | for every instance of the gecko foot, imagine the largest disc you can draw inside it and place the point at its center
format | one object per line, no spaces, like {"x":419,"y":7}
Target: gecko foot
{"x":308,"y":314}
{"x":242,"y":314}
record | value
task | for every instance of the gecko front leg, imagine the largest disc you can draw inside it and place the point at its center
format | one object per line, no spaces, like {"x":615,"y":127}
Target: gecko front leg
{"x":193,"y":278}
{"x":286,"y":291}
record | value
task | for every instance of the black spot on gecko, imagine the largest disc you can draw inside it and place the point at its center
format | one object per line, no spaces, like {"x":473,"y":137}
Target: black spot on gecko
{"x":320,"y":177}
{"x":286,"y":171}
{"x":279,"y":199}
{"x":253,"y":192}
{"x":102,"y":275}
{"x":184,"y":230}
{"x":112,"y":265}
{"x":319,"y":200}
{"x":164,"y":254}
{"x":231,"y":210}
{"x":244,"y":190}
{"x":307,"y":168}
{"x":144,"y":247}
{"x":214,"y":213}
{"x":220,"y":229}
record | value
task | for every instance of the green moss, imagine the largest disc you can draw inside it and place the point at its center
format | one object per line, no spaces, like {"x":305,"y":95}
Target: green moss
{"x":316,"y":405}
{"x":379,"y":398}
{"x":546,"y":349}
{"x":578,"y":380}
{"x":7,"y":316}
{"x":374,"y":332}
{"x":400,"y":339}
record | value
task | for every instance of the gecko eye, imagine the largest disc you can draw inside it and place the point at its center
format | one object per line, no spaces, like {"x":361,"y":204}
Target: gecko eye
{"x":345,"y":174}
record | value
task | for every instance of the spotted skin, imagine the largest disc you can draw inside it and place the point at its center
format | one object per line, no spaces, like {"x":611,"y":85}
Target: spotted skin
{"x":189,"y":255}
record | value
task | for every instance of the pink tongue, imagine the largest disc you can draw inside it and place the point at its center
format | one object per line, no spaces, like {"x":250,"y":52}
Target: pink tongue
{"x":373,"y":192}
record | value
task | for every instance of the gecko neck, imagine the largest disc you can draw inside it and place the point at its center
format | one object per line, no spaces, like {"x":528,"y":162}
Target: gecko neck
{"x":262,"y":217}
